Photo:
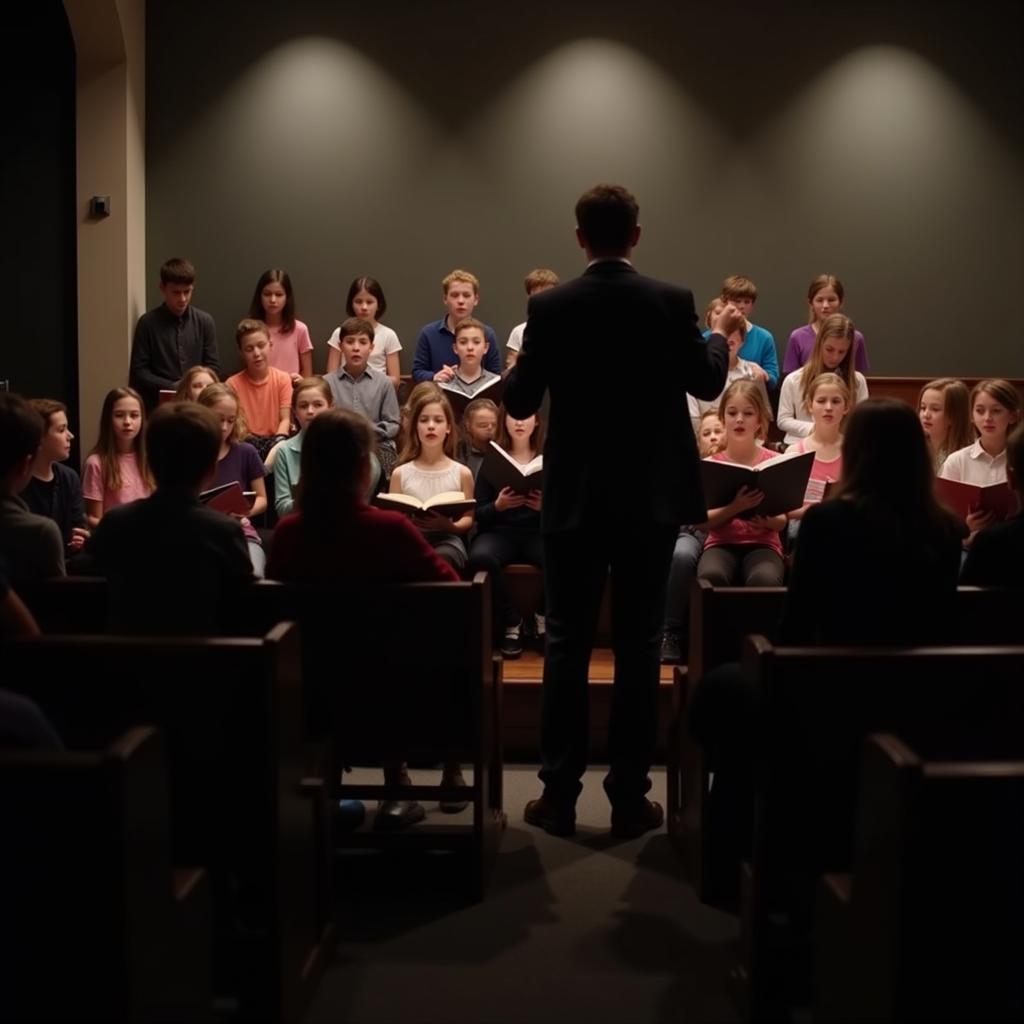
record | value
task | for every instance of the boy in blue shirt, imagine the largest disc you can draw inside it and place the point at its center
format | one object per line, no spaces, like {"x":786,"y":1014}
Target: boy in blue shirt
{"x":433,"y":357}
{"x":759,"y":346}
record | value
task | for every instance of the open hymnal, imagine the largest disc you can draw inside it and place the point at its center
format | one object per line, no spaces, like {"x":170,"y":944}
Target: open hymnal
{"x":501,"y":470}
{"x":783,"y":481}
{"x":492,"y":389}
{"x":451,"y":504}
{"x":229,"y":498}
{"x":962,"y":498}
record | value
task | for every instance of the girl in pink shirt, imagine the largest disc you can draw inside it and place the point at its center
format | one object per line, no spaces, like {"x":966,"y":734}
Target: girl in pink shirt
{"x":273,"y":302}
{"x":744,"y":551}
{"x":116,"y":473}
{"x":828,"y":405}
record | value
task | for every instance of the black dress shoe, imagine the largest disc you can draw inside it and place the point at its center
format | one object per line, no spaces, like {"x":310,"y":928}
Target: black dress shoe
{"x":555,"y":820}
{"x":453,"y":778}
{"x":393,"y":815}
{"x":634,"y":820}
{"x":671,"y":653}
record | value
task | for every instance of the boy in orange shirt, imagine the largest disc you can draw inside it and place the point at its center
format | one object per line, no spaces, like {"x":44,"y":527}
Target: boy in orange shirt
{"x":264,"y":392}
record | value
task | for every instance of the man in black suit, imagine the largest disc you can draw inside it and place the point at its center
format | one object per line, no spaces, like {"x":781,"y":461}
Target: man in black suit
{"x":618,"y":353}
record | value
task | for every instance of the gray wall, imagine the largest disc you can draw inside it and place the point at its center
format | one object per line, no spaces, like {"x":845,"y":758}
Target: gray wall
{"x":877,"y":141}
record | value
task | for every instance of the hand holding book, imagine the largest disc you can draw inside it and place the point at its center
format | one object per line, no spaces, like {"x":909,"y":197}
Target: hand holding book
{"x":502,"y":471}
{"x":442,"y":508}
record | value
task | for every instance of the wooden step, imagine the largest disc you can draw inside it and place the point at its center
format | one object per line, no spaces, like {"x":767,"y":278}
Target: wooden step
{"x":521,"y":702}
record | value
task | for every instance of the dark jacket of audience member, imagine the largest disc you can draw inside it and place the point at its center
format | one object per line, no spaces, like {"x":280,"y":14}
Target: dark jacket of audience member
{"x":172,"y":564}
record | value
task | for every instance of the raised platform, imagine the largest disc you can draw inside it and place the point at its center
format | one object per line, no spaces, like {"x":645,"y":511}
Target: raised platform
{"x":521,"y":697}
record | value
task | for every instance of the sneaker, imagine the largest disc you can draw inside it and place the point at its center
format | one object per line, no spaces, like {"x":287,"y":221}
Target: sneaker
{"x":511,"y":644}
{"x":671,"y":653}
{"x":453,"y":778}
{"x":394,"y":815}
{"x":349,"y":815}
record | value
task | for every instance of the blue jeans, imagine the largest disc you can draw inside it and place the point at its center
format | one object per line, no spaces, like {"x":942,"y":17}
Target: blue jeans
{"x":685,"y":556}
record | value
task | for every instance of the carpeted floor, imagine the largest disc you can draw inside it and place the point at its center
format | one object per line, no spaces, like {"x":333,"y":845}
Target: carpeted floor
{"x":588,"y":929}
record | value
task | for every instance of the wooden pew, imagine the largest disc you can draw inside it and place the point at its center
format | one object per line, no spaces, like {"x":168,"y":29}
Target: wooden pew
{"x":67,"y":604}
{"x":229,"y":713}
{"x":907,"y":389}
{"x":720,"y":618}
{"x":951,"y":703}
{"x":930,"y":926}
{"x":380,"y":694}
{"x":96,"y":925}
{"x":327,"y":621}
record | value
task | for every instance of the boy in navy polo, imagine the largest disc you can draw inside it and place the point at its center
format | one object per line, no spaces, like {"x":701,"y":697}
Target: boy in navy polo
{"x":433,"y":357}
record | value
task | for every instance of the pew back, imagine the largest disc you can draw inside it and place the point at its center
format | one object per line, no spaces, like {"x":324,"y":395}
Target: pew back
{"x":931,"y":926}
{"x":229,"y":713}
{"x":93,"y":927}
{"x":820,"y":704}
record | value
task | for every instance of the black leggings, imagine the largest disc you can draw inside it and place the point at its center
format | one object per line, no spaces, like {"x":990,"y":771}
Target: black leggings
{"x":747,"y":565}
{"x":492,"y":551}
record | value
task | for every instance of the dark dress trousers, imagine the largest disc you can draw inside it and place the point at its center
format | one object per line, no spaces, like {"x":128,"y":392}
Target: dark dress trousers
{"x":618,"y":353}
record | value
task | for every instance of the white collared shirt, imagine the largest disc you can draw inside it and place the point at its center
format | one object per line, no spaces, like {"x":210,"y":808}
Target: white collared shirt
{"x":974,"y":465}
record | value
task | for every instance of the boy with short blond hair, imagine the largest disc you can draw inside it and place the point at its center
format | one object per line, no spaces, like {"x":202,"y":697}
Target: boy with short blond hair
{"x":357,"y":387}
{"x":172,"y":337}
{"x":759,"y":346}
{"x":264,"y":392}
{"x":538,"y":280}
{"x":433,"y":357}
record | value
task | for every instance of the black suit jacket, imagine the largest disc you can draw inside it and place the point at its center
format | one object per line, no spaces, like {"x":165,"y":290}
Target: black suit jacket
{"x":618,"y":353}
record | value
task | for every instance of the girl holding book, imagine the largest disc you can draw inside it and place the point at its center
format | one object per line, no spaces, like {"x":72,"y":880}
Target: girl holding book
{"x":995,"y":411}
{"x":830,"y":400}
{"x":508,"y":527}
{"x":116,"y":472}
{"x":744,"y":551}
{"x":427,"y":468}
{"x":944,"y":408}
{"x":238,"y":462}
{"x":832,"y":353}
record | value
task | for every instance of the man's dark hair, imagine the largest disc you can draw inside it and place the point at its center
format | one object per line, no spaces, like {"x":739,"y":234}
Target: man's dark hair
{"x":182,"y":444}
{"x":21,"y":430}
{"x":607,"y":217}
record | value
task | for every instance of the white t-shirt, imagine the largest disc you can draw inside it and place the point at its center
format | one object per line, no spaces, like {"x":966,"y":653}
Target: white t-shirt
{"x":385,"y":341}
{"x":974,"y":465}
{"x":793,"y":418}
{"x":515,"y":339}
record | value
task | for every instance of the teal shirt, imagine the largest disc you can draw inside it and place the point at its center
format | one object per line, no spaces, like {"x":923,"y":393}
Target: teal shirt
{"x":287,"y":464}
